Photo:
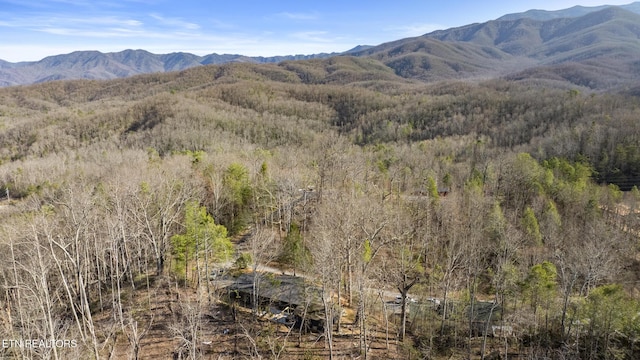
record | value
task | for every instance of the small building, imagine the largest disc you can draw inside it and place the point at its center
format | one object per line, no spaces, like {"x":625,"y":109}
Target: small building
{"x":485,"y":316}
{"x":293,"y":295}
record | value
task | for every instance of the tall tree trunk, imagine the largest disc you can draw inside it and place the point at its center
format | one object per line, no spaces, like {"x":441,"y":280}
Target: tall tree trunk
{"x":47,"y":302}
{"x":65,"y":284}
{"x":328,"y":326}
{"x":472,"y":293}
{"x":486,"y":328}
{"x":386,"y":320}
{"x":404,"y":291}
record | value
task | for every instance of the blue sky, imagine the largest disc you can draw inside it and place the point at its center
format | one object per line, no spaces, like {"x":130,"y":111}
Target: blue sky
{"x":31,"y":30}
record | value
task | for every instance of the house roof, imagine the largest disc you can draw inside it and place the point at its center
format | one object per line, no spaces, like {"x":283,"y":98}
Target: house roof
{"x":284,"y":289}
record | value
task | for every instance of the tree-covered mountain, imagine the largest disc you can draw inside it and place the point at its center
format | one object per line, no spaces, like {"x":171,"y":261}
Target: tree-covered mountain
{"x":576,"y":11}
{"x":591,"y":47}
{"x":96,"y":65}
{"x":596,"y":50}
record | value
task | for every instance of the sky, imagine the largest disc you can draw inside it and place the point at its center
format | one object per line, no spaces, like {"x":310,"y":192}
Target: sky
{"x":31,"y":30}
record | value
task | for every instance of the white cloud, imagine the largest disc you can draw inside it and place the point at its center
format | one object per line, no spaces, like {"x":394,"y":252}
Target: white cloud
{"x":105,"y":33}
{"x":104,"y":26}
{"x":43,"y":23}
{"x":175,"y":22}
{"x":415,"y":29}
{"x":105,"y":21}
{"x":299,"y":16}
{"x":57,"y":31}
{"x":314,"y":36}
{"x":221,"y":24}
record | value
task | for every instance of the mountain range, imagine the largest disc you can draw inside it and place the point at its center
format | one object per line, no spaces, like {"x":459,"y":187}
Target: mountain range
{"x":593,"y":47}
{"x":597,"y":50}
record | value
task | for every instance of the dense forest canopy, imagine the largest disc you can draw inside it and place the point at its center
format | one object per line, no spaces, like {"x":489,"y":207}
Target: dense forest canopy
{"x":122,"y":195}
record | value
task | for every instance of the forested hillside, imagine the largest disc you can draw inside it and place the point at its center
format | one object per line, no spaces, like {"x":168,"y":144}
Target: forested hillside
{"x":594,"y":48}
{"x":502,"y":213}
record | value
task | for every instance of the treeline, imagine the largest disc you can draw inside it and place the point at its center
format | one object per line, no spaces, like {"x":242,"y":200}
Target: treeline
{"x":471,"y":193}
{"x":545,"y":121}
